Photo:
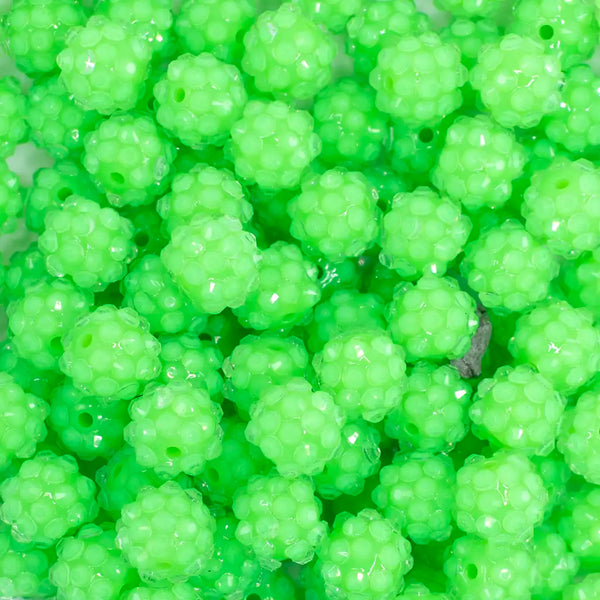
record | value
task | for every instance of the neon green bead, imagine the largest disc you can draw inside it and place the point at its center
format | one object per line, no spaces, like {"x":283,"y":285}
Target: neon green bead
{"x":418,"y":591}
{"x":586,"y":589}
{"x":177,"y":591}
{"x":333,"y":14}
{"x":556,"y":476}
{"x":579,"y":524}
{"x":11,"y":200}
{"x":470,"y":8}
{"x":470,"y":35}
{"x":13,"y":127}
{"x":580,"y":281}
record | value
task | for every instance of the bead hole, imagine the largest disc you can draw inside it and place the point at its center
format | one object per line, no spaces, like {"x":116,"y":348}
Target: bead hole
{"x":56,"y":347}
{"x":173,"y":452}
{"x":85,"y":419}
{"x":179,"y":95}
{"x":253,"y":597}
{"x":141,"y":238}
{"x":205,"y":337}
{"x":546,"y":32}
{"x":472,"y":571}
{"x":117,"y":177}
{"x":562,"y":184}
{"x":411,"y":429}
{"x":426,"y":135}
{"x":64,"y":193}
{"x":86,"y":340}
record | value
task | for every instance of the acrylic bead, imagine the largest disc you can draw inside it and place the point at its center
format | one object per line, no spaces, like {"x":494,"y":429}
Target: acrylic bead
{"x":11,"y":199}
{"x":13,"y":126}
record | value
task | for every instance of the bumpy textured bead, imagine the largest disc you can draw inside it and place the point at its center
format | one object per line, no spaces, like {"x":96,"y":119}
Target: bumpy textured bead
{"x":417,"y":81}
{"x":470,"y":8}
{"x":416,"y":493}
{"x":12,"y":115}
{"x":279,"y":519}
{"x":433,"y":319}
{"x":364,"y":557}
{"x":214,"y":26}
{"x":298,"y":429}
{"x":333,"y":14}
{"x":556,"y":476}
{"x":508,"y":268}
{"x":199,"y":99}
{"x":517,"y":81}
{"x":352,"y":130}
{"x":177,"y":591}
{"x":214,"y":261}
{"x":89,"y":566}
{"x":586,"y":589}
{"x":57,"y":123}
{"x":272,"y":144}
{"x":364,"y":371}
{"x":579,"y":527}
{"x":357,"y":458}
{"x":114,"y":78}
{"x":85,"y":425}
{"x":422,"y":233}
{"x":581,"y":281}
{"x":336,"y":214}
{"x":418,"y":591}
{"x":204,"y":190}
{"x":22,"y":417}
{"x":46,"y":499}
{"x":471,"y":35}
{"x":174,"y":428}
{"x":560,"y":342}
{"x":166,"y":533}
{"x":501,"y":498}
{"x":110,"y":353}
{"x":42,"y":316}
{"x":478,"y":163}
{"x":128,"y":159}
{"x":90,"y":243}
{"x":287,"y":53}
{"x":487,"y":569}
{"x":11,"y":200}
{"x":562,"y":206}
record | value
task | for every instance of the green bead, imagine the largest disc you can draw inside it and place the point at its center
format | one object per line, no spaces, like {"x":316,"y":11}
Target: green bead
{"x":336,"y":215}
{"x":286,"y":53}
{"x":386,"y":182}
{"x":568,"y":30}
{"x":22,"y":417}
{"x":380,"y":25}
{"x":422,"y":233}
{"x":214,"y":261}
{"x":470,"y":35}
{"x":199,"y":99}
{"x":517,"y":81}
{"x":287,"y":290}
{"x":89,"y":566}
{"x":203,"y":190}
{"x":478,"y":163}
{"x":418,"y":591}
{"x":239,"y":460}
{"x":114,"y":80}
{"x":364,"y":371}
{"x":433,"y":319}
{"x":333,"y":14}
{"x":335,"y":275}
{"x":11,"y":200}
{"x":358,"y":458}
{"x":147,"y":234}
{"x":364,"y":556}
{"x":273,"y":144}
{"x":149,"y":289}
{"x":128,"y":159}
{"x":432,"y":414}
{"x":39,"y":319}
{"x":47,"y":499}
{"x":580,"y":281}
{"x":556,"y":476}
{"x":13,"y":105}
{"x":86,"y":426}
{"x":166,"y":533}
{"x":586,"y":589}
{"x":351,"y":129}
{"x":214,"y":26}
{"x":279,"y":519}
{"x":177,"y":591}
{"x":580,"y":525}
{"x":418,"y":79}
{"x":561,"y":206}
{"x":560,"y":342}
{"x":469,"y":8}
{"x":501,"y":498}
{"x":296,"y":428}
{"x":110,"y":353}
{"x":174,"y":428}
{"x":489,"y":569}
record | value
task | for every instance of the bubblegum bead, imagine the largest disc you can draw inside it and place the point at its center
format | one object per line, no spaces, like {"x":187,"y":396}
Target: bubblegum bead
{"x":13,"y":126}
{"x":422,"y":233}
{"x":89,"y":566}
{"x":47,"y":499}
{"x":336,"y":215}
{"x":279,"y":519}
{"x":174,"y":428}
{"x":364,"y":371}
{"x":357,"y":458}
{"x":273,"y":144}
{"x":199,"y":99}
{"x":478,"y":163}
{"x":560,"y":342}
{"x":177,"y":591}
{"x":128,"y":159}
{"x":580,"y":523}
{"x":561,"y":207}
{"x":586,"y":589}
{"x":287,"y":53}
{"x":166,"y":533}
{"x":501,"y":498}
{"x":11,"y":200}
{"x":22,"y":417}
{"x":434,"y":319}
{"x":580,"y":281}
{"x":110,"y":353}
{"x":214,"y":261}
{"x":364,"y":557}
{"x":517,"y":81}
{"x":417,"y":81}
{"x":470,"y":35}
{"x":296,"y":428}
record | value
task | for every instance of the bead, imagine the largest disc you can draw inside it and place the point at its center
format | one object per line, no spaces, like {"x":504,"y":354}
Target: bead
{"x":580,"y":281}
{"x":177,"y":591}
{"x":586,"y":589}
{"x":13,"y":126}
{"x":147,"y":234}
{"x":333,"y":14}
{"x":11,"y":200}
{"x":579,"y":525}
{"x":418,"y":591}
{"x":470,"y":35}
{"x":470,"y":8}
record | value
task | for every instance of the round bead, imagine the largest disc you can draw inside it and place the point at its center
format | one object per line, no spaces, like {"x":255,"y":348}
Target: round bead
{"x":177,"y":591}
{"x":556,"y":476}
{"x":418,"y":591}
{"x":586,"y":589}
{"x":580,"y":281}
{"x":333,"y":14}
{"x":11,"y":200}
{"x":470,"y":35}
{"x":13,"y":126}
{"x":580,"y":524}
